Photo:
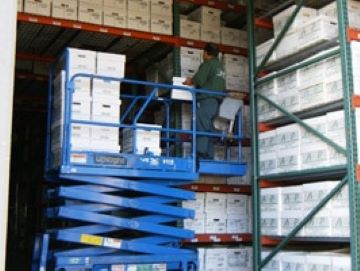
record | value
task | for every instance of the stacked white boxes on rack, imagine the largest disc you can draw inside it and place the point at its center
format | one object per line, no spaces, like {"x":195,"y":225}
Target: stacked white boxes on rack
{"x":38,"y":7}
{"x":138,"y":15}
{"x":236,"y":70}
{"x":161,"y":20}
{"x":115,"y":13}
{"x":65,"y":9}
{"x":217,"y":213}
{"x":283,"y":208}
{"x":265,"y":110}
{"x":210,"y":20}
{"x":91,"y":11}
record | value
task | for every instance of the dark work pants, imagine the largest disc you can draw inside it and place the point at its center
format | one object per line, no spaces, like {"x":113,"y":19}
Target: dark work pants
{"x":206,"y":111}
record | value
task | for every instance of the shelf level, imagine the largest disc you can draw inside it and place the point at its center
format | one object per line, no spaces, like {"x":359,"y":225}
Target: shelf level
{"x":219,"y":188}
{"x":221,"y":238}
{"x":275,"y":240}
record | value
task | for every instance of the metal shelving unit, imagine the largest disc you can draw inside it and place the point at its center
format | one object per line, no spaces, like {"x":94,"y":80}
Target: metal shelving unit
{"x":346,"y":172}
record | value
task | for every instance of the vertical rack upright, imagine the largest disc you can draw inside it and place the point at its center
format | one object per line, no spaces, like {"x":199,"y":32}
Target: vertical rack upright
{"x":349,"y":175}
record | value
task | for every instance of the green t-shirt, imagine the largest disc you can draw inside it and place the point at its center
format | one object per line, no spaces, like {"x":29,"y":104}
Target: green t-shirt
{"x":210,"y":76}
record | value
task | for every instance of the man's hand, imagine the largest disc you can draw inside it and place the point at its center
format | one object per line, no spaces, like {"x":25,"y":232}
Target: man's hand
{"x":188,"y":81}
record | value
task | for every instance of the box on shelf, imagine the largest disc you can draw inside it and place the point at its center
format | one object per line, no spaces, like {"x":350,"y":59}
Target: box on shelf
{"x":289,"y":220}
{"x":189,"y":29}
{"x":38,"y":7}
{"x":334,"y":90}
{"x":208,"y":16}
{"x":316,"y":30}
{"x":314,"y":155}
{"x":341,"y":261}
{"x":312,"y":96}
{"x":288,"y":46}
{"x":317,"y":123}
{"x":236,"y":204}
{"x":237,"y":223}
{"x":270,"y":199}
{"x":115,"y":17}
{"x":104,"y":135}
{"x":138,"y":20}
{"x":288,"y":137}
{"x":270,"y":223}
{"x":209,"y":34}
{"x":239,"y":259}
{"x":340,"y":222}
{"x":293,"y":261}
{"x":318,"y":261}
{"x":197,"y":224}
{"x":65,"y":9}
{"x":190,"y":58}
{"x":267,"y":164}
{"x":139,"y":6}
{"x":263,"y":49}
{"x":235,"y":65}
{"x":233,"y":37}
{"x":330,"y":10}
{"x":179,"y":94}
{"x":275,"y":262}
{"x":106,"y":110}
{"x":237,"y":83}
{"x":79,"y":61}
{"x":116,"y":4}
{"x":280,"y":19}
{"x":20,"y":5}
{"x":215,"y":203}
{"x":89,"y":12}
{"x":292,"y":198}
{"x":215,"y":259}
{"x":161,"y":24}
{"x":288,"y":160}
{"x":201,"y":258}
{"x":341,"y":199}
{"x":265,"y":110}
{"x":215,"y":222}
{"x":289,"y":100}
{"x":198,"y":204}
{"x":161,"y":7}
{"x":288,"y":82}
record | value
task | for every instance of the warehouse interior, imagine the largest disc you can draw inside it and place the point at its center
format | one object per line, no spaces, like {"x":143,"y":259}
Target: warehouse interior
{"x":289,"y":135}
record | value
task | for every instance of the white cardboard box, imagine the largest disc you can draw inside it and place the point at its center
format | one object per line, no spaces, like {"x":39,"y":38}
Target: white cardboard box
{"x":313,"y":96}
{"x":105,"y":89}
{"x":104,"y":135}
{"x":180,"y":94}
{"x":270,"y":199}
{"x":340,"y":222}
{"x":290,"y":100}
{"x":317,"y":30}
{"x":209,"y":34}
{"x":20,"y":5}
{"x":106,"y":110}
{"x":267,"y":164}
{"x":293,"y":261}
{"x":292,"y":198}
{"x":288,"y":45}
{"x":288,"y":137}
{"x":236,"y":83}
{"x":161,"y":7}
{"x":236,"y":204}
{"x":201,"y":258}
{"x":341,"y":199}
{"x":280,"y":19}
{"x":318,"y":261}
{"x":190,"y":57}
{"x":197,"y":224}
{"x":289,"y":220}
{"x":161,"y":24}
{"x":189,"y":29}
{"x":206,"y":16}
{"x":235,"y":65}
{"x":115,"y":17}
{"x":341,"y":262}
{"x":215,"y":223}
{"x":215,"y":203}
{"x":317,"y":123}
{"x":112,"y":65}
{"x":138,"y":20}
{"x":38,"y":7}
{"x":288,"y":160}
{"x":314,"y":155}
{"x":139,"y":6}
{"x":274,"y":264}
{"x":315,"y":192}
{"x":353,"y":12}
{"x":81,"y":61}
{"x":238,"y":258}
{"x":89,"y":12}
{"x":270,"y":223}
{"x":65,"y":9}
{"x":116,"y":4}
{"x":80,"y":109}
{"x":237,"y":223}
{"x":198,"y":204}
{"x":263,"y":49}
{"x":288,"y":82}
{"x":233,"y":37}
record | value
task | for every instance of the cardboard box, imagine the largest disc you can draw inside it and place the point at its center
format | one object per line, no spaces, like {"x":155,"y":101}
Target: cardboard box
{"x":38,"y":7}
{"x":104,"y":135}
{"x":317,"y":30}
{"x":341,"y":262}
{"x":189,"y":29}
{"x":209,"y":34}
{"x":265,"y":110}
{"x":79,"y":137}
{"x":290,"y":100}
{"x":238,"y":258}
{"x":236,"y":204}
{"x":142,"y":6}
{"x":315,"y":192}
{"x":341,"y":199}
{"x":318,"y":261}
{"x":270,"y":199}
{"x":317,"y":123}
{"x":161,"y":24}
{"x":235,"y":65}
{"x":237,"y":83}
{"x":208,"y":16}
{"x":267,"y":164}
{"x":198,"y":204}
{"x":215,"y":203}
{"x":180,"y":94}
{"x":289,"y":220}
{"x":280,"y":19}
{"x":80,"y":109}
{"x":233,"y":37}
{"x":312,"y":96}
{"x":138,"y":19}
{"x":270,"y":223}
{"x":89,"y":12}
{"x":112,"y":65}
{"x":292,"y":198}
{"x":215,"y":223}
{"x":65,"y":9}
{"x":330,"y":10}
{"x":198,"y":224}
{"x":314,"y":155}
{"x":80,"y":61}
{"x":275,"y":262}
{"x":288,"y":137}
{"x":116,"y":4}
{"x":190,"y":58}
{"x":115,"y":17}
{"x":237,"y":223}
{"x":287,"y":46}
{"x":340,"y":222}
{"x":105,"y":89}
{"x":263,"y":49}
{"x":293,"y":261}
{"x":20,"y":5}
{"x":106,"y":111}
{"x":161,"y":7}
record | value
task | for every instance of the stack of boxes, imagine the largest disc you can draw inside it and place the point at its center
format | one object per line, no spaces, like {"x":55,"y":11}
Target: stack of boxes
{"x":64,"y":9}
{"x":217,"y":213}
{"x":90,"y":11}
{"x":237,"y":73}
{"x":93,"y":100}
{"x":139,"y":15}
{"x":283,"y":208}
{"x":115,"y":13}
{"x":298,"y":149}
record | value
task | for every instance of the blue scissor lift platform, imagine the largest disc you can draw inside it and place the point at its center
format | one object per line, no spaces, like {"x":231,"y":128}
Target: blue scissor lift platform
{"x":118,"y":211}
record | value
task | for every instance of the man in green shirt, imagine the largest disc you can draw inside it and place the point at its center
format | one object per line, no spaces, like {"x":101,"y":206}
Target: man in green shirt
{"x":210,"y":76}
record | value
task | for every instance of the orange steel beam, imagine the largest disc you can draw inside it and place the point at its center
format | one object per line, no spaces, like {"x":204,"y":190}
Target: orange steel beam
{"x":353,"y":34}
{"x":263,"y":127}
{"x":264,"y":23}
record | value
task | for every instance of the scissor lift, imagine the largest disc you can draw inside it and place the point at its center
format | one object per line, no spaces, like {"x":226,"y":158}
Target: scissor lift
{"x":89,"y":226}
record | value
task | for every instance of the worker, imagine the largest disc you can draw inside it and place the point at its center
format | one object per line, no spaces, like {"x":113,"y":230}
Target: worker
{"x":210,"y":76}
